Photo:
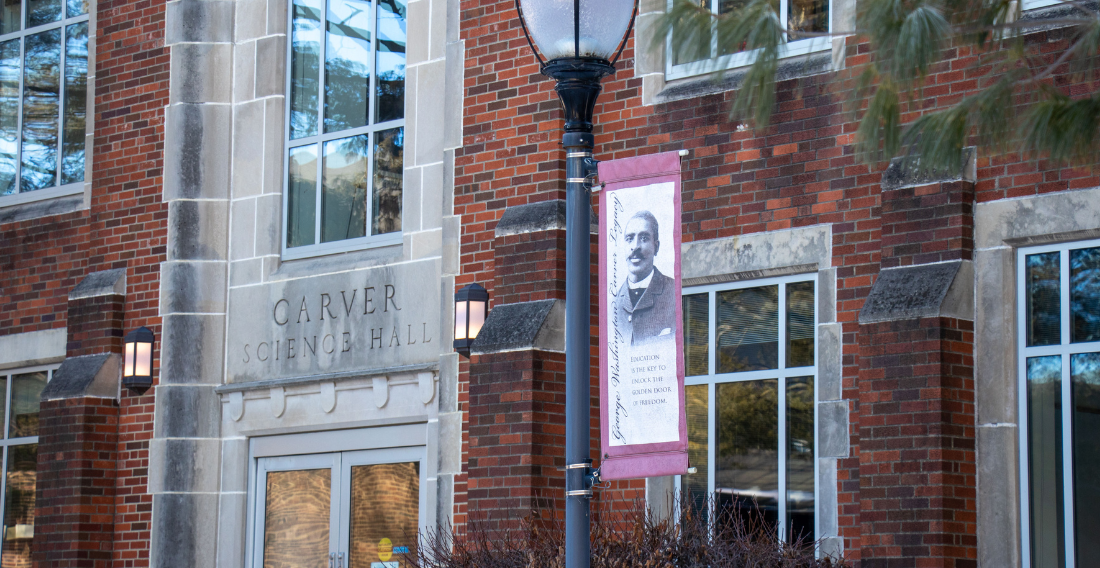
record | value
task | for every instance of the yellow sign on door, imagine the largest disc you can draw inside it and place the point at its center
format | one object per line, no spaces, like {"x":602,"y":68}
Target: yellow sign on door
{"x":385,"y":549}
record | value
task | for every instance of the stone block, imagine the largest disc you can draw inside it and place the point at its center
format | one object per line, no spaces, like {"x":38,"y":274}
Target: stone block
{"x":273,"y":145}
{"x":243,"y":227}
{"x":995,"y":336}
{"x":411,"y":74}
{"x":234,"y":465}
{"x":525,"y":325}
{"x":276,"y":16}
{"x":445,"y":500}
{"x":448,"y":182}
{"x":454,"y":19}
{"x":101,"y":283}
{"x":532,"y":217}
{"x":196,"y":157}
{"x":248,"y":155}
{"x":426,"y":244}
{"x":909,"y":292}
{"x":438,"y":30}
{"x":251,"y":20}
{"x":827,"y":493}
{"x":453,"y":96}
{"x":192,"y":349}
{"x":450,"y":443}
{"x":660,"y":497}
{"x":757,"y":255}
{"x":903,"y":173}
{"x":201,"y":73}
{"x":832,"y":429}
{"x":188,"y":411}
{"x":452,"y":241}
{"x":198,"y":21}
{"x":192,"y":287}
{"x":269,"y":224}
{"x":431,"y":191}
{"x":419,"y":32}
{"x":411,"y":200}
{"x":1037,"y":220}
{"x":197,"y":230}
{"x":430,"y":112}
{"x":86,"y":376}
{"x":648,"y":6}
{"x":826,"y":295}
{"x":182,"y":532}
{"x":448,"y":382}
{"x":232,"y":523}
{"x":184,"y":465}
{"x":647,"y":58}
{"x":829,"y":361}
{"x":245,"y":272}
{"x":998,"y":501}
{"x":270,"y":56}
{"x":32,"y":348}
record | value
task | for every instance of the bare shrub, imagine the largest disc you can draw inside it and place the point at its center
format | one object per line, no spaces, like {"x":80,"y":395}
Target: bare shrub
{"x":622,"y":537}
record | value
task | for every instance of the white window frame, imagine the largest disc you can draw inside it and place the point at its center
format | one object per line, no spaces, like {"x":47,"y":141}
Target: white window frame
{"x":74,"y":188}
{"x":339,"y":450}
{"x":318,"y":140}
{"x":1064,"y":349}
{"x":6,"y":442}
{"x":741,"y":59}
{"x":712,"y":379}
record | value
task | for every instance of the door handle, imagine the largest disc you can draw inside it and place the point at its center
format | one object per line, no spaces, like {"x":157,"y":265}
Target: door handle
{"x":331,"y":558}
{"x":340,"y":560}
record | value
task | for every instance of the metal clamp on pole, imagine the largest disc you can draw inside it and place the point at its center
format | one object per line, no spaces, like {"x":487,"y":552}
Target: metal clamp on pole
{"x":578,"y":479}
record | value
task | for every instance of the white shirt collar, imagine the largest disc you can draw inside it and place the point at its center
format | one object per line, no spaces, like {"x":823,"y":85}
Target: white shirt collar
{"x":643,"y":283}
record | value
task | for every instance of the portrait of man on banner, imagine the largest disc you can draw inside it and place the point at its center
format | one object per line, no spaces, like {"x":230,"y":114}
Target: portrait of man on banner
{"x":645,"y":307}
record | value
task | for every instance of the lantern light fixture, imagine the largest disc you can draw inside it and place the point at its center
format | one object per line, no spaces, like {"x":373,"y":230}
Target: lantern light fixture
{"x":471,"y":309}
{"x":137,"y":367}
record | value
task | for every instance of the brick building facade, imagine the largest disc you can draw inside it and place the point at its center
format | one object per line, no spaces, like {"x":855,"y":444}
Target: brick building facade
{"x":292,"y":339}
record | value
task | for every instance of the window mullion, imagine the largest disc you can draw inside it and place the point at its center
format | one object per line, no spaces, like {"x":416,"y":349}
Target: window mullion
{"x":714,"y":6}
{"x":318,"y":213}
{"x":781,"y":498}
{"x":61,"y":105}
{"x":19,"y":95}
{"x":1067,"y":407}
{"x":372,"y":113}
{"x":712,"y":448}
{"x":784,"y":6}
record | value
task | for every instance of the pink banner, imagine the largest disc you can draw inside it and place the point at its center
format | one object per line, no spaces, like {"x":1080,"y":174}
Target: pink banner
{"x":642,"y":420}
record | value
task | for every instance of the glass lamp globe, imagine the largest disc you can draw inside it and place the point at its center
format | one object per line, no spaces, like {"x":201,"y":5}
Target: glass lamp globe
{"x":553,"y":25}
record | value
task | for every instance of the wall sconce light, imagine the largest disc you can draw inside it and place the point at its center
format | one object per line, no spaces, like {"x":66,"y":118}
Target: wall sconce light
{"x":471,"y":308}
{"x":137,"y":367}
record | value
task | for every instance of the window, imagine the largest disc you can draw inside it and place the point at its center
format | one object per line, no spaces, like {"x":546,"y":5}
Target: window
{"x":749,"y":356}
{"x":345,"y":125}
{"x":800,"y":15}
{"x":1059,"y":369}
{"x":354,"y":509}
{"x":43,"y":97}
{"x":22,"y":391}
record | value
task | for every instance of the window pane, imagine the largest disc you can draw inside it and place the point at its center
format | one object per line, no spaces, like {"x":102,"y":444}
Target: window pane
{"x":808,"y":16}
{"x":10,"y":16}
{"x":19,"y":504}
{"x":391,"y":61}
{"x":302,"y":196}
{"x":344,"y":201}
{"x":42,"y":12}
{"x":296,"y":520}
{"x":1085,"y":378}
{"x":693,"y":48}
{"x":347,"y":64}
{"x":748,"y":329}
{"x":305,"y":67}
{"x":389,"y":149}
{"x":26,"y":390}
{"x":1044,"y":316}
{"x":1044,"y":432}
{"x":385,"y":506}
{"x":1084,"y":294}
{"x":76,"y":101}
{"x":41,"y":95}
{"x":696,"y":484}
{"x":747,"y":472}
{"x":10,"y":69}
{"x":76,"y":7}
{"x":696,"y":334}
{"x":800,"y":459}
{"x":800,"y":324}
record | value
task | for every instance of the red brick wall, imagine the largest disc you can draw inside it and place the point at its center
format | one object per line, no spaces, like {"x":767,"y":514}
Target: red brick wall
{"x":917,"y":485}
{"x":95,"y":325}
{"x":801,"y":171}
{"x":77,"y":448}
{"x":529,"y":266}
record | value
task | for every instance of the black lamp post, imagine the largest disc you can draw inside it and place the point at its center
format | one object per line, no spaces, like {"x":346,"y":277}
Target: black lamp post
{"x":579,"y":41}
{"x":137,"y":364}
{"x":471,"y":307}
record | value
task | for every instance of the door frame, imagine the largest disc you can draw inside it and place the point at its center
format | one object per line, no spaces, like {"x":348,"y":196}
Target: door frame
{"x":341,"y":449}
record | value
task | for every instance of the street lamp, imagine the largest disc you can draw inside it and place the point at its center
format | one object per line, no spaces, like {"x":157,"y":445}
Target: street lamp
{"x":579,"y":41}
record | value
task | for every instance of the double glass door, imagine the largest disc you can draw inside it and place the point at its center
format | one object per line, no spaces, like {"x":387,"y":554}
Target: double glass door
{"x":356,"y":509}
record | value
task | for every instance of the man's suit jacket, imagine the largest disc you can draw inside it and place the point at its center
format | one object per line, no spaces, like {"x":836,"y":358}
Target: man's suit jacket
{"x":655,"y":314}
